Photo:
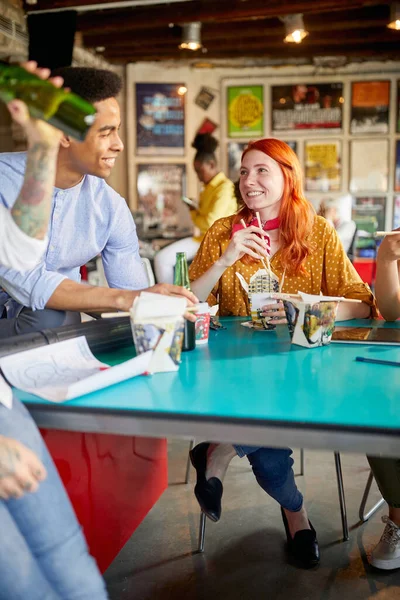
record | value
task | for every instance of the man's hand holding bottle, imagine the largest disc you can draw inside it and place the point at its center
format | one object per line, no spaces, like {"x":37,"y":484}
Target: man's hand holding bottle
{"x":37,"y":130}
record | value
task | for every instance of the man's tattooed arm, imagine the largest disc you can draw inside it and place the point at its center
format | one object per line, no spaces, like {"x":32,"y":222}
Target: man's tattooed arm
{"x":32,"y":207}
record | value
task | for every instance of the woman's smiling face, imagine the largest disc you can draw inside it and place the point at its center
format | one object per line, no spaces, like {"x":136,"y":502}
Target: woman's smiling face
{"x":261,"y":181}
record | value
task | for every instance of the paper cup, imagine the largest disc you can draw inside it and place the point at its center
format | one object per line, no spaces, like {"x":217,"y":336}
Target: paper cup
{"x":202,"y":324}
{"x":257,"y":301}
{"x":163,"y":335}
{"x":311,"y":325}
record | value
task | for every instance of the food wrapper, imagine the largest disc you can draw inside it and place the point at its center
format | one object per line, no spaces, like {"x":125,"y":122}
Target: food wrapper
{"x":311,"y":319}
{"x":262,"y":284}
{"x":157,"y":324}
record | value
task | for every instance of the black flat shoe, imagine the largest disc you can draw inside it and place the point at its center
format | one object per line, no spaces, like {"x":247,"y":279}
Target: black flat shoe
{"x":208,"y":492}
{"x":304,"y":546}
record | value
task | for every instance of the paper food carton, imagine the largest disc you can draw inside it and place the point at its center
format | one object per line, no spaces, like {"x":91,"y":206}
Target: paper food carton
{"x":262,"y":284}
{"x":157,"y":324}
{"x":311,"y":319}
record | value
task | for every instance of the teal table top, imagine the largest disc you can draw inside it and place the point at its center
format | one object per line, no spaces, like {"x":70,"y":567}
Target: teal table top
{"x":255,"y":378}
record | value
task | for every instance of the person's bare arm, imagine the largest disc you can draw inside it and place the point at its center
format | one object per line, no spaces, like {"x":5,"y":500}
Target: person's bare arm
{"x":31,"y":210}
{"x":70,"y":295}
{"x":350,"y":310}
{"x":244,"y":241}
{"x":387,"y":284}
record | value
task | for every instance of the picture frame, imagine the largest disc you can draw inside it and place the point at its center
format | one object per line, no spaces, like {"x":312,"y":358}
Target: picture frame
{"x":370,"y":102}
{"x":245,"y":111}
{"x":307,"y":106}
{"x":323,"y":165}
{"x":160,"y":119}
{"x":369,"y":161}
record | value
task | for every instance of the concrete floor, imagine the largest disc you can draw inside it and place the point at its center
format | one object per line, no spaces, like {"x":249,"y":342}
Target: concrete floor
{"x":244,"y":557}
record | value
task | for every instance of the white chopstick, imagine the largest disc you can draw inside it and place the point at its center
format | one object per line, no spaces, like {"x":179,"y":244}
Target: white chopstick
{"x":266,"y":258}
{"x":384,"y":233}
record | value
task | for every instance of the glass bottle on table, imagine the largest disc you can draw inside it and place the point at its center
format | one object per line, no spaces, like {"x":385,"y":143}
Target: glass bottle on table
{"x":182,"y":278}
{"x":65,"y":110}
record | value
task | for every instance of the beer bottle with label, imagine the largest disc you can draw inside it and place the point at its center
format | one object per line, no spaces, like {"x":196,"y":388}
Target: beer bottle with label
{"x":182,"y":278}
{"x":65,"y":110}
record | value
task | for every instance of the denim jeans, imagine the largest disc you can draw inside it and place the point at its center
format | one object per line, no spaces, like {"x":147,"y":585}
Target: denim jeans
{"x":43,"y":553}
{"x":387,"y":474}
{"x":272,"y":468}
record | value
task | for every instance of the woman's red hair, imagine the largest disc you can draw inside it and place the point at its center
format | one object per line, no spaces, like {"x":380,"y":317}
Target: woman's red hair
{"x":296,"y":213}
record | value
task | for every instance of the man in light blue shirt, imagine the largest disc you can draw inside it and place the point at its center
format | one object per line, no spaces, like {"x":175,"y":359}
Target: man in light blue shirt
{"x":88,"y":218}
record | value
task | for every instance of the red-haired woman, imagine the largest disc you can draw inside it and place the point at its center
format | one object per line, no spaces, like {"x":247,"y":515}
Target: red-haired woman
{"x":307,"y":249}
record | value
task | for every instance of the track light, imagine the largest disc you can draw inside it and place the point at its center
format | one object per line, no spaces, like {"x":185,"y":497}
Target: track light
{"x":295,"y":30}
{"x":394,"y":16}
{"x":191,"y":36}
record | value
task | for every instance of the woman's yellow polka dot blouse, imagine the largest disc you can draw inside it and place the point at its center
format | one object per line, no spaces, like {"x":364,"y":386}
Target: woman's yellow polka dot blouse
{"x":328,"y":270}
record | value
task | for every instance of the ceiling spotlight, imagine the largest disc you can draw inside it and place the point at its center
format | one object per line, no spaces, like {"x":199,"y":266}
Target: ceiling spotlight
{"x":394,"y":16}
{"x":182,"y":89}
{"x":295,"y":30}
{"x":191,"y":36}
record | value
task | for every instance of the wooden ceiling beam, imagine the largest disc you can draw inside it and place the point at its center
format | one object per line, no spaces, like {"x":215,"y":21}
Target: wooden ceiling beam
{"x":212,"y":32}
{"x":208,"y":11}
{"x":161,"y":48}
{"x":388,"y":51}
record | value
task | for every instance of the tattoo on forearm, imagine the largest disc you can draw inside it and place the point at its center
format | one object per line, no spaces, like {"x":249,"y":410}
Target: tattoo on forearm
{"x":31,"y":210}
{"x":9,"y":459}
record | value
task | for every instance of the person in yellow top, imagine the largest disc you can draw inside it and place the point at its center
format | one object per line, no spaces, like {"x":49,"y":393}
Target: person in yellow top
{"x":305,"y":250}
{"x":216,"y":200}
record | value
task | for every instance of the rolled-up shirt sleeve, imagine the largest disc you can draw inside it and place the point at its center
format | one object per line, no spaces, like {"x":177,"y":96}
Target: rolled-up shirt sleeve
{"x":122,"y":263}
{"x":33,"y":288}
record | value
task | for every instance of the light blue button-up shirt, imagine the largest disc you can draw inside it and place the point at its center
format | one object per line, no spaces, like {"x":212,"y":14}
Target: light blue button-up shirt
{"x":86,"y":220}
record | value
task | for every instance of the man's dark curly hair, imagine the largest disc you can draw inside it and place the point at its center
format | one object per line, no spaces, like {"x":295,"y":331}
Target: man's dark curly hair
{"x":91,"y":84}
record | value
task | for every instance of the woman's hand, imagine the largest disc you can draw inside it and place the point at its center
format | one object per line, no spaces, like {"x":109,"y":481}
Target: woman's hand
{"x":245,"y":241}
{"x":37,"y":130}
{"x":20,"y":469}
{"x":274,"y":312}
{"x":389,"y":250}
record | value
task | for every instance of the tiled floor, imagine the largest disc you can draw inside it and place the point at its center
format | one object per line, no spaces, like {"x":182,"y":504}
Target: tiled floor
{"x":244,"y":557}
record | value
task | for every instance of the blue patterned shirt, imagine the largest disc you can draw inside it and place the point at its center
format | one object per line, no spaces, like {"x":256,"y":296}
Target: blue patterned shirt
{"x":86,"y":220}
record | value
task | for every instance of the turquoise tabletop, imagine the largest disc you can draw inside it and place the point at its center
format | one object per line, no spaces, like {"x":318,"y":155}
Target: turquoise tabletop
{"x":259,"y":375}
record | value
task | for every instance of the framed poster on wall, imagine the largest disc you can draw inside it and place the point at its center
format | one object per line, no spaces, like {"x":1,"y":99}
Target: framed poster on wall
{"x":369,"y":160}
{"x":307,"y":106}
{"x":397,"y":168}
{"x":370,"y":107}
{"x":396,"y":212}
{"x":323,"y":165}
{"x":398,"y":107}
{"x":245,"y":111}
{"x":160,"y":188}
{"x":370,"y":208}
{"x":235,"y":150}
{"x":160,"y":119}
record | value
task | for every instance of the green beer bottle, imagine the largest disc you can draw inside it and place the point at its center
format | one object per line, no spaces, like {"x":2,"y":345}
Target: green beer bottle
{"x":182,"y":278}
{"x":65,"y":110}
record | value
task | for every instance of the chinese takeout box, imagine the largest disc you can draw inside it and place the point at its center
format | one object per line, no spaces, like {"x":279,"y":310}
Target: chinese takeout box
{"x":261,"y":285}
{"x":311,"y":319}
{"x":157,"y":324}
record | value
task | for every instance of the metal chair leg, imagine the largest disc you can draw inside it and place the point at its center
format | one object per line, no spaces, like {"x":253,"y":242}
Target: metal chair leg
{"x":202,"y":532}
{"x":191,"y":446}
{"x":342,"y":500}
{"x":301,"y":461}
{"x":365,"y":517}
